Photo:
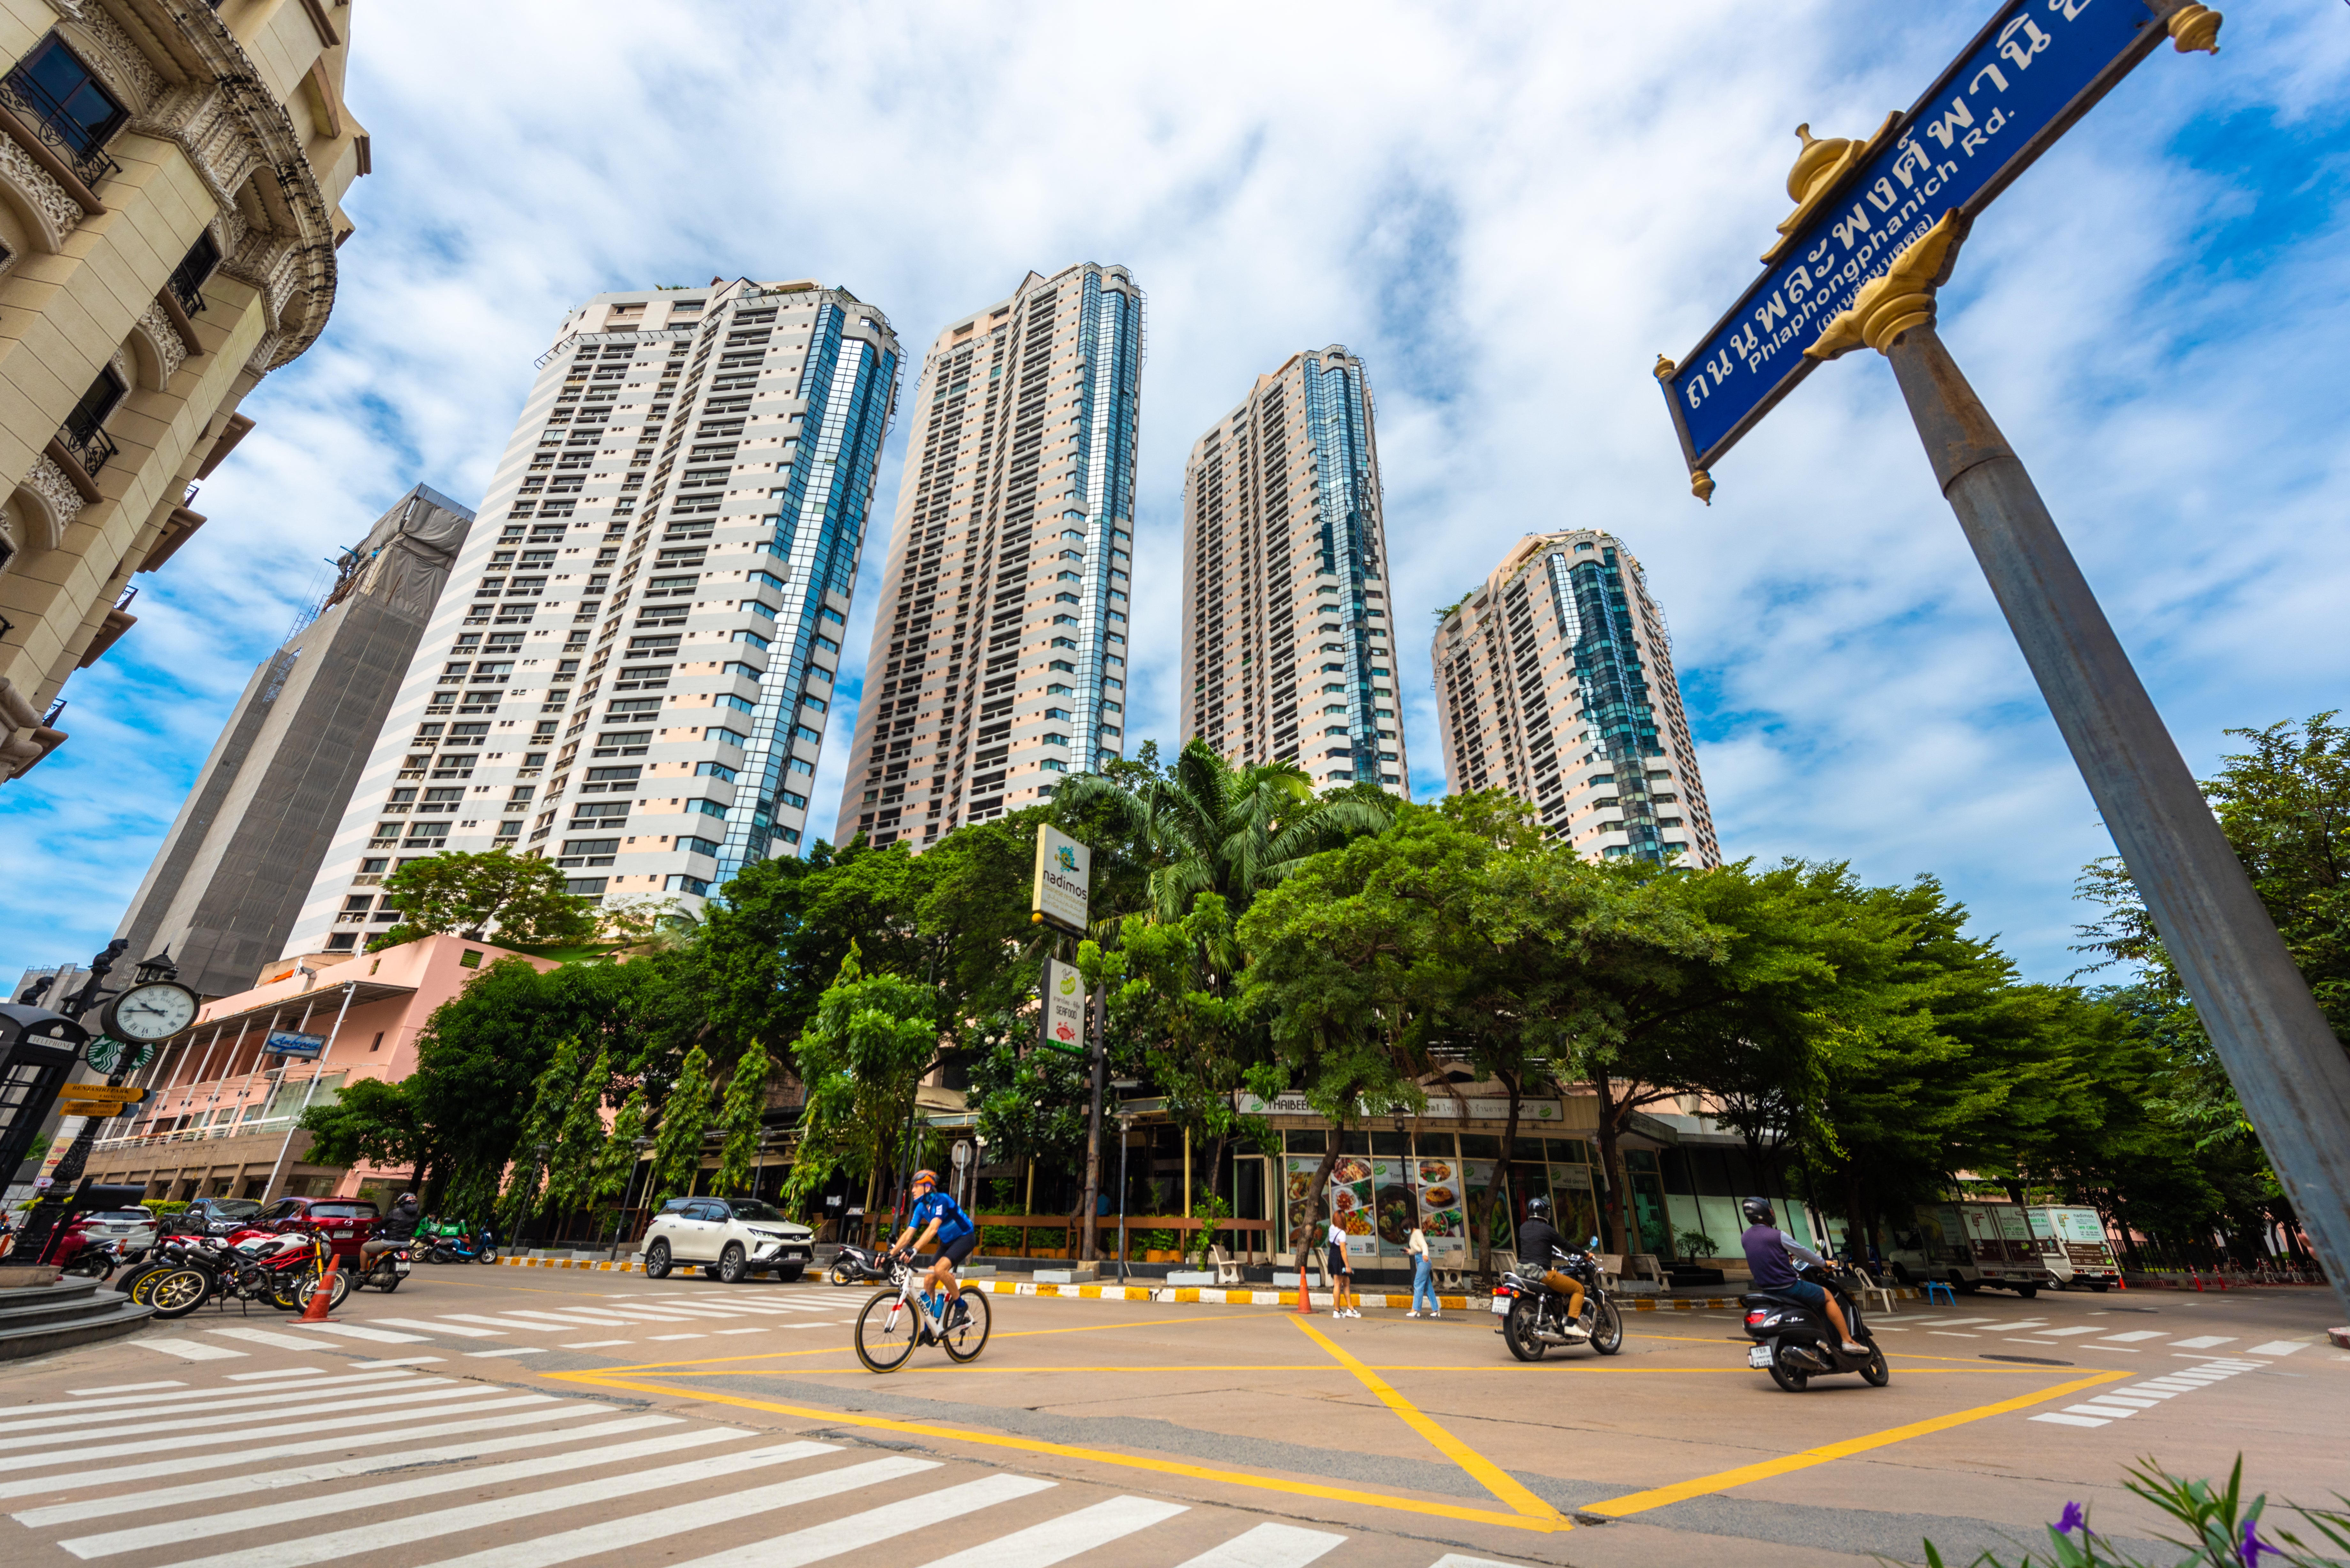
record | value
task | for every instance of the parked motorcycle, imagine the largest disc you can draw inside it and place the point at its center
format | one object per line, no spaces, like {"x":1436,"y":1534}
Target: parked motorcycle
{"x":855,"y":1265}
{"x":1795,"y":1341}
{"x":1534,"y":1316}
{"x":483,"y":1249}
{"x":184,"y":1273}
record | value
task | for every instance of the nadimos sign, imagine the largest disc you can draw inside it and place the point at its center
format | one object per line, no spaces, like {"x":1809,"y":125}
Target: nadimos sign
{"x":1063,"y":874}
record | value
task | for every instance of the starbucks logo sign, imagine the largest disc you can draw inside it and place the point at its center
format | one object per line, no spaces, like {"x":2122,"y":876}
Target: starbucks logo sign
{"x":110,"y":1056}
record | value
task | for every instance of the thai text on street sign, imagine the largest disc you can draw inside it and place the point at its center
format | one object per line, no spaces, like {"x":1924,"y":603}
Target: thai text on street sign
{"x":2034,"y":69}
{"x":1063,"y":870}
{"x":286,"y":1042}
{"x":1064,"y":1007}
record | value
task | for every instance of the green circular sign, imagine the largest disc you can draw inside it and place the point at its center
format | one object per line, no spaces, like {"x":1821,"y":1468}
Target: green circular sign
{"x":110,"y":1056}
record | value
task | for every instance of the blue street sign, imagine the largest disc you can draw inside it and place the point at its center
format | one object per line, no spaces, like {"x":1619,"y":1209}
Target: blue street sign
{"x":286,"y":1043}
{"x":2038,"y":67}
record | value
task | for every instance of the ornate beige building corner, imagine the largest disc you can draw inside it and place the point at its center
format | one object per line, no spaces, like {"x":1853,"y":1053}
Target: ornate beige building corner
{"x":171,"y":182}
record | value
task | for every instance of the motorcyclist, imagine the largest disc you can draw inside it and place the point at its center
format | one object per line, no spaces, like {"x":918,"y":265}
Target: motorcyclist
{"x":1536,"y":1241}
{"x":394,"y":1230}
{"x":1769,"y":1251}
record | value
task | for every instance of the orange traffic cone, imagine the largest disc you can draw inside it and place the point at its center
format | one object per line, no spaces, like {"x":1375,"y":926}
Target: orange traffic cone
{"x":323,"y":1297}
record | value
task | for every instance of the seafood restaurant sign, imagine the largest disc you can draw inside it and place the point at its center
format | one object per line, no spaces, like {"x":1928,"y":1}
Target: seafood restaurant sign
{"x":1440,"y":1107}
{"x":2038,"y":67}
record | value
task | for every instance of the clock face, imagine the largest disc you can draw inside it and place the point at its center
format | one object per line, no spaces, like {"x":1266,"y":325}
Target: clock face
{"x":153,"y":1011}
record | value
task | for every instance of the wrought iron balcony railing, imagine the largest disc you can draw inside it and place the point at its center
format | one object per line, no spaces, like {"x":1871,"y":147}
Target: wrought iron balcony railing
{"x":58,"y":130}
{"x":91,"y":447}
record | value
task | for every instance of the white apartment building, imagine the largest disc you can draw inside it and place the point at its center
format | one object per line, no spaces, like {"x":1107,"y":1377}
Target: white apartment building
{"x":999,"y":657}
{"x":1288,"y":631}
{"x":631,"y":666}
{"x":1555,"y":682}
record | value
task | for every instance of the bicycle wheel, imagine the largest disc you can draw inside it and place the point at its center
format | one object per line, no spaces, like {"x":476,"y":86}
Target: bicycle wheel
{"x":967,"y":1339}
{"x":887,"y":1331}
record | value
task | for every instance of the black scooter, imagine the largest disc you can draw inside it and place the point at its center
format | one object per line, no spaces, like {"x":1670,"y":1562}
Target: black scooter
{"x":856,"y":1265}
{"x":1795,"y":1341}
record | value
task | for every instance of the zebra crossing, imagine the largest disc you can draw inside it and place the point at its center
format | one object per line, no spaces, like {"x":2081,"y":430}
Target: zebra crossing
{"x":2106,"y":1406}
{"x":2036,"y":1331}
{"x":641,"y":1319}
{"x":463,"y":1475}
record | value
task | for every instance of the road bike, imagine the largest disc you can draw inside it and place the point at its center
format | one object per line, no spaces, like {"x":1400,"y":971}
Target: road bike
{"x":898,"y":1320}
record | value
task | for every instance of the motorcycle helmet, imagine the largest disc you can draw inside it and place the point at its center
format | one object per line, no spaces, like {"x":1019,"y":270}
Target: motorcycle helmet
{"x":1538,"y":1208}
{"x":1757,"y":1210}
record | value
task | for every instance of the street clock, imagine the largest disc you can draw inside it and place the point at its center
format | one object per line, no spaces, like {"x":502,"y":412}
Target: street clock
{"x":150,"y":1012}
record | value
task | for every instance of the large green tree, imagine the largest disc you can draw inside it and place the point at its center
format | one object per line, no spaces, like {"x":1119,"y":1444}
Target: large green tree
{"x":524,"y":900}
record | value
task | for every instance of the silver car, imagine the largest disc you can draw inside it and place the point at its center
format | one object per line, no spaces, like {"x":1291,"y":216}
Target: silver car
{"x":730,"y":1237}
{"x":132,"y":1227}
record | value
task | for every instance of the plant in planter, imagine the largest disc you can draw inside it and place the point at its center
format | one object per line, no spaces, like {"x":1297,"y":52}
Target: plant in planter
{"x":1209,"y":1209}
{"x":1696,"y":1246}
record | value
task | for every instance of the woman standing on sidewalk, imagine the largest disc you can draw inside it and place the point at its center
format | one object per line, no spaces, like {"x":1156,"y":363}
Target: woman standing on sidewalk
{"x":1423,"y":1274}
{"x":1342,"y":1278}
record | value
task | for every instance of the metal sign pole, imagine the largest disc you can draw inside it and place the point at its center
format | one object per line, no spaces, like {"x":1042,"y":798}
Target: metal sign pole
{"x":2286,"y":1065}
{"x":1089,"y":1243}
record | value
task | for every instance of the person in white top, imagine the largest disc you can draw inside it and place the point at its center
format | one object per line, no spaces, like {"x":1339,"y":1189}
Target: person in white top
{"x":1342,"y":1278}
{"x":1423,"y":1274}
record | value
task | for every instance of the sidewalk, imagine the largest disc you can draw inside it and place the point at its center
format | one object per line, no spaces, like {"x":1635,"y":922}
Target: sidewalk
{"x":1397,"y":1301}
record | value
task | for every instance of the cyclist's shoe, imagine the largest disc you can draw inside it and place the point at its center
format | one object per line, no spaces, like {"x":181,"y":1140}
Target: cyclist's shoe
{"x":960,"y":1314}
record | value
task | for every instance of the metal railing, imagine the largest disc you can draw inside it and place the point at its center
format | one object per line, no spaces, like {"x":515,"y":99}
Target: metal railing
{"x":187,"y":280}
{"x":58,"y":129}
{"x":91,"y":447}
{"x":195,"y":1135}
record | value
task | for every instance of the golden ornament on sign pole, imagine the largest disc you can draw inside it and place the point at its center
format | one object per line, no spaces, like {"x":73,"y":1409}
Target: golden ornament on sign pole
{"x":1819,"y":168}
{"x":2194,"y":28}
{"x":1901,"y":298}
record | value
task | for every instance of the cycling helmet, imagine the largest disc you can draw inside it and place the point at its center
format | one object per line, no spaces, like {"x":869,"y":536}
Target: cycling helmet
{"x":1538,"y":1208}
{"x":1757,"y":1210}
{"x":930,"y":1176}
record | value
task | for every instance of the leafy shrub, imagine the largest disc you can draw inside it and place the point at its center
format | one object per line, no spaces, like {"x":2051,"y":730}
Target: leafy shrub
{"x":2223,"y":1531}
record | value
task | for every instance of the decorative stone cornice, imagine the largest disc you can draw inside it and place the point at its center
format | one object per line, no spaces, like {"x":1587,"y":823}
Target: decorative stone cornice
{"x":57,"y":211}
{"x":162,"y":336}
{"x":46,"y":480}
{"x":108,"y":51}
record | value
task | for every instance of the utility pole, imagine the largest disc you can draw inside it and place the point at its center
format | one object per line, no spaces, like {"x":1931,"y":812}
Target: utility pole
{"x":1088,"y":1240}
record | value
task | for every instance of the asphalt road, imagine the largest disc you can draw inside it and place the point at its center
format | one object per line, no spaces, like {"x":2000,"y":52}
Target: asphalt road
{"x":519,"y":1418}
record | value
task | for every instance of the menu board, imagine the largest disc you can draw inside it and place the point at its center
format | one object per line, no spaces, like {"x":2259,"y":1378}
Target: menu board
{"x":1350,"y":1202}
{"x":1440,"y":1201}
{"x":1487,"y":1211}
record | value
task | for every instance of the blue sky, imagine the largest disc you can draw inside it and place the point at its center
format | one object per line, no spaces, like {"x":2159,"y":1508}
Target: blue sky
{"x":1508,"y":212}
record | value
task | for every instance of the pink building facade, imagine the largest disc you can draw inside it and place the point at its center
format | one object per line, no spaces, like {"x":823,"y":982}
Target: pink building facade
{"x":221,"y":1114}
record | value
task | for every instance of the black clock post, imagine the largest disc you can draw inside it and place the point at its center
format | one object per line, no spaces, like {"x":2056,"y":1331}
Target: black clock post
{"x":50,"y":1206}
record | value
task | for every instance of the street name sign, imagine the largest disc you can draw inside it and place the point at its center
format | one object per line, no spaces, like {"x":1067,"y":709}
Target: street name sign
{"x":2037,"y":67}
{"x":1059,"y":897}
{"x":105,"y":1093}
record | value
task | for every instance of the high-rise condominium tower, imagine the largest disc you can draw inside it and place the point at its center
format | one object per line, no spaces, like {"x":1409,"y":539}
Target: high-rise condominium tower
{"x":1555,"y":682}
{"x":1288,"y":641}
{"x":630,"y":669}
{"x":229,"y":881}
{"x":999,"y":651}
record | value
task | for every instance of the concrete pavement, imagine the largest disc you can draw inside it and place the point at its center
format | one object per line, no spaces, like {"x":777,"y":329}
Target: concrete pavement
{"x":550,"y":1416}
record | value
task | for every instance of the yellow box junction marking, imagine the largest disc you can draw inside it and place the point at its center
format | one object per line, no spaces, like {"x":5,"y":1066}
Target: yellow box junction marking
{"x":1723,"y":1480}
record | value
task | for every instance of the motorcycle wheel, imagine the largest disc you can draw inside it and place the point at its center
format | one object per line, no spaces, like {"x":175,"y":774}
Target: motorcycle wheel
{"x":842,"y":1275}
{"x":1607,"y":1329}
{"x":1787,"y":1378}
{"x":1877,"y":1373}
{"x":1518,"y":1330}
{"x":309,"y":1287}
{"x":281,"y":1294}
{"x":657,"y":1261}
{"x":135,"y":1280}
{"x":489,"y":1255}
{"x":176,"y":1292}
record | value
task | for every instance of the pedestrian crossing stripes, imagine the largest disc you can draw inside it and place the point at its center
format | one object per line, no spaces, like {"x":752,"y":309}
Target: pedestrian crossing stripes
{"x":2119,"y":1404}
{"x":558,"y":1481}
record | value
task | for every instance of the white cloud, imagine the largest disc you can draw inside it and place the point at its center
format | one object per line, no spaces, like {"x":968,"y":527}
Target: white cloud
{"x":1508,"y":212}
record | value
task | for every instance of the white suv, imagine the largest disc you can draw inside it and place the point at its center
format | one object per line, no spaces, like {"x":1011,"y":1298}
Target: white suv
{"x":729,"y":1237}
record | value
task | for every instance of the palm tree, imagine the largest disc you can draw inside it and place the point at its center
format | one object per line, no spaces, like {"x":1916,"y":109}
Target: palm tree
{"x":1207,"y":827}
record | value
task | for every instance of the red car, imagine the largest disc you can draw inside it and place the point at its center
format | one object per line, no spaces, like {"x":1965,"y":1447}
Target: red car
{"x":345,"y":1222}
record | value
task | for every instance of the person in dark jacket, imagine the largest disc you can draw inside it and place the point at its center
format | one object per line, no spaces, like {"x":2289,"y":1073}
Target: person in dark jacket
{"x":1538,"y":1238}
{"x":1770,"y":1253}
{"x":393,"y":1232}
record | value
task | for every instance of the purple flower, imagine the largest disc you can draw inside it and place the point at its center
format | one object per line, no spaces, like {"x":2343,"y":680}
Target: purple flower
{"x":2252,"y":1548}
{"x":2073,"y":1519}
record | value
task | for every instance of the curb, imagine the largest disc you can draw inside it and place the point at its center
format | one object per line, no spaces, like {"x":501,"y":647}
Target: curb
{"x":2340,"y":1336}
{"x":597,"y":1264}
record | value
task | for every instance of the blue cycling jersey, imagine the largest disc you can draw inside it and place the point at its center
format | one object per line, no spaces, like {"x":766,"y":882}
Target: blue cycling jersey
{"x":953,"y":1223}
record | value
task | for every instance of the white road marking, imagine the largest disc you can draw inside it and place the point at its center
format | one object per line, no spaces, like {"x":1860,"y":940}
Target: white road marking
{"x":401,"y":1361}
{"x":2060,"y":1332}
{"x":303,"y":1475}
{"x":360,"y":1331}
{"x":2065,"y":1420}
{"x":343,"y":1424}
{"x":241,"y":1406}
{"x":593,"y":1344}
{"x":366,"y":1538}
{"x":1272,"y":1546}
{"x":122,"y":1389}
{"x":762,"y":1329}
{"x":507,"y":1350}
{"x":188,"y":1349}
{"x":278,"y":1373}
{"x":183,"y":1463}
{"x":270,"y":1337}
{"x":432,"y":1327}
{"x":1057,"y":1540}
{"x":237,"y":1521}
{"x":858,"y":1530}
{"x":2133,"y":1336}
{"x":2110,"y":1412}
{"x":2279,"y":1347}
{"x":2205,"y":1342}
{"x":587,"y":1541}
{"x":662,"y":1336}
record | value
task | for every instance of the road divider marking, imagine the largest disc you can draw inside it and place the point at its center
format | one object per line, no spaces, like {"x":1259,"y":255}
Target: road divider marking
{"x":1723,"y":1481}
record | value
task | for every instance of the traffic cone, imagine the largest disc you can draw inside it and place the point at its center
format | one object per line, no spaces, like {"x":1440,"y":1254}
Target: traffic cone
{"x":324,"y":1296}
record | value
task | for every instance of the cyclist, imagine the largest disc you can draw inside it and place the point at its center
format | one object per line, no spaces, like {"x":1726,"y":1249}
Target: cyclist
{"x":939,"y":1217}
